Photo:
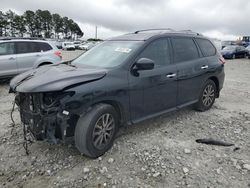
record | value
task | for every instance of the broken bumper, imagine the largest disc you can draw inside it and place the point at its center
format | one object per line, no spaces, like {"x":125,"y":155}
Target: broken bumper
{"x":44,"y":121}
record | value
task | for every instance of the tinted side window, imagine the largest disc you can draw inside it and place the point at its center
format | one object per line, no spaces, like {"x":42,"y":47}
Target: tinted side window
{"x":26,"y":47}
{"x":206,"y":47}
{"x":158,"y":51}
{"x":44,"y":46}
{"x":7,"y":48}
{"x":184,"y":49}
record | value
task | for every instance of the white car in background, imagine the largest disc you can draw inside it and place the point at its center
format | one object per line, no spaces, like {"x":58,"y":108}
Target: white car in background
{"x":77,"y":44}
{"x":68,"y":46}
{"x":20,"y":55}
{"x":87,"y":46}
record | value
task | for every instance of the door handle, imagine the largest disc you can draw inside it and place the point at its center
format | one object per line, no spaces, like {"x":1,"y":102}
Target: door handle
{"x":38,"y":55}
{"x":204,"y":67}
{"x":12,"y":58}
{"x":171,"y":75}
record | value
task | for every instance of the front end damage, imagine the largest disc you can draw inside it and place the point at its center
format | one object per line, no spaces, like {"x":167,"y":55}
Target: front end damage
{"x":44,"y":117}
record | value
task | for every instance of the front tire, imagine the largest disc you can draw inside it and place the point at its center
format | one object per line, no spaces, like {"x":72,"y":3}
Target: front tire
{"x":207,"y":97}
{"x":95,"y":132}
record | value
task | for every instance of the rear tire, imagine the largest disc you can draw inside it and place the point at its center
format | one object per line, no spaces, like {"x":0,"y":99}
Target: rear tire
{"x":95,"y":132}
{"x":207,"y":96}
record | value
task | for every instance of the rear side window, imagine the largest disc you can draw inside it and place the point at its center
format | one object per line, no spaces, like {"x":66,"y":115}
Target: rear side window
{"x":206,"y":47}
{"x":26,"y":47}
{"x":44,"y":46}
{"x":32,"y":47}
{"x":7,"y":48}
{"x":184,"y":49}
{"x":158,"y":51}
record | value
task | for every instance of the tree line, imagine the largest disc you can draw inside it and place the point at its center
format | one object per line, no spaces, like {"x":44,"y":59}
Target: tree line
{"x":40,"y":23}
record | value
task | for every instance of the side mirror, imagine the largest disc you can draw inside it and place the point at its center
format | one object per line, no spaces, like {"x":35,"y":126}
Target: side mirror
{"x":142,"y":64}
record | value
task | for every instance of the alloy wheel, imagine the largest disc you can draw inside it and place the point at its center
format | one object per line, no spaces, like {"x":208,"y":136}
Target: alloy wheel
{"x":208,"y":95}
{"x":103,"y":131}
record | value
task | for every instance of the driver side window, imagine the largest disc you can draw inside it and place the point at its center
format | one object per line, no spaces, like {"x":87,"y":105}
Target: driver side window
{"x":158,"y":51}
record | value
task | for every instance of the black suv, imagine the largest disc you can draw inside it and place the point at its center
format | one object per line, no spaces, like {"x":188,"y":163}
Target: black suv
{"x":122,"y":81}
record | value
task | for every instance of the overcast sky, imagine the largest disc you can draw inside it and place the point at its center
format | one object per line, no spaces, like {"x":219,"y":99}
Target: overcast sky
{"x":223,"y":19}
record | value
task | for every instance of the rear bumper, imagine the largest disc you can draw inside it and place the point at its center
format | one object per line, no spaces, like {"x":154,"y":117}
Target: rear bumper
{"x":221,"y":78}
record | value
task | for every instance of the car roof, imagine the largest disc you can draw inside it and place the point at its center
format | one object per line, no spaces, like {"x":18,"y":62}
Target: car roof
{"x":23,"y":40}
{"x":144,"y":35}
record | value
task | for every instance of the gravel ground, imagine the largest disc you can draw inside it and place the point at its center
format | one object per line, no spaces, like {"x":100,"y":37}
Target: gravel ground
{"x":161,"y":152}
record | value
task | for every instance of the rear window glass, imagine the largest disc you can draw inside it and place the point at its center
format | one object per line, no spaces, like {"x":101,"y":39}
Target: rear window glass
{"x":44,"y":46}
{"x":184,"y":49}
{"x":26,"y":47}
{"x":7,"y":48}
{"x":207,"y":47}
{"x":32,"y":47}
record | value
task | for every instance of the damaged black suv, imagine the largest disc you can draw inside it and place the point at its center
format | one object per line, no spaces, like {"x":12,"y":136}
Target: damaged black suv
{"x":122,"y":81}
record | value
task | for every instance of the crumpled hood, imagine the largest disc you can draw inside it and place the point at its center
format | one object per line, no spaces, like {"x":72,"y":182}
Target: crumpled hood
{"x":53,"y":78}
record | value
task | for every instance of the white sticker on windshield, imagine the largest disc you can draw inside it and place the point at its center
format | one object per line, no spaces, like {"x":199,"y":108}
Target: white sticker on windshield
{"x":123,"y":50}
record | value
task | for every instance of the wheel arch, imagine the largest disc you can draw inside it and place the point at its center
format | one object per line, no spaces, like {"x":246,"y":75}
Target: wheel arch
{"x":117,"y":106}
{"x":216,"y":81}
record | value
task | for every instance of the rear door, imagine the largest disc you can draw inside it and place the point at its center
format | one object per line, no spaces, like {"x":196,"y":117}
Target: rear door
{"x":27,"y":54}
{"x":8,"y":63}
{"x":191,"y":67}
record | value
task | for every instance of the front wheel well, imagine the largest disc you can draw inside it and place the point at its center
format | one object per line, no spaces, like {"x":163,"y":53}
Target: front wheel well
{"x":116,"y":106}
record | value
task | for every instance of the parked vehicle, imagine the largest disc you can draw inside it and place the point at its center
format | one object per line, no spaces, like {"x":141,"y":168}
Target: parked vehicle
{"x":20,"y":55}
{"x":122,"y":81}
{"x":87,"y":46}
{"x":68,"y":46}
{"x":58,"y":44}
{"x":248,"y":51}
{"x":234,"y":51}
{"x":55,"y":42}
{"x":77,"y":44}
{"x":227,"y":43}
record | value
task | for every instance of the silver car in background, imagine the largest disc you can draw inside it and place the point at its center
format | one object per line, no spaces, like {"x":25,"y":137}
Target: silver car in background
{"x":20,"y":55}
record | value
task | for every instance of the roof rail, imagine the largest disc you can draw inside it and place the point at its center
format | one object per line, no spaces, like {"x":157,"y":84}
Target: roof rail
{"x":160,"y":29}
{"x":21,"y":38}
{"x":171,"y":30}
{"x":188,"y":31}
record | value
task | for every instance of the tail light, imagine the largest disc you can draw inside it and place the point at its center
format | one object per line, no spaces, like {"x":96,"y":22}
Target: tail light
{"x":222,"y":60}
{"x":59,"y":54}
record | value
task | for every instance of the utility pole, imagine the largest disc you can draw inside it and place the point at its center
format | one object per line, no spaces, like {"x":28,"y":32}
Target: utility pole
{"x":95,"y":32}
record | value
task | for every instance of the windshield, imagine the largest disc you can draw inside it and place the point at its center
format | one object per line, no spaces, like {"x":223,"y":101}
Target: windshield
{"x":229,"y":48}
{"x":108,"y":54}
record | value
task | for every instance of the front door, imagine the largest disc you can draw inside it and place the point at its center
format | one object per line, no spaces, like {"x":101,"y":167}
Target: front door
{"x":153,"y":91}
{"x":8,"y":63}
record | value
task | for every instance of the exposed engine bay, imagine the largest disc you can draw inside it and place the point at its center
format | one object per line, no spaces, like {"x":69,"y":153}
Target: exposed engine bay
{"x":43,"y":116}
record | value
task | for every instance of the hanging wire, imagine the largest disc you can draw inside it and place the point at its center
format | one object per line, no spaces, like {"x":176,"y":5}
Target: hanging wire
{"x":13,"y":124}
{"x":25,"y":142}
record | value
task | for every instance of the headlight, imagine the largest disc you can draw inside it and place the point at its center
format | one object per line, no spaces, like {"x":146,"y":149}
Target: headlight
{"x":53,"y":98}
